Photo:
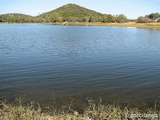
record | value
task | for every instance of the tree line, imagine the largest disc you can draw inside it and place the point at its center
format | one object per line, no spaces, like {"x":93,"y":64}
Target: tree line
{"x":107,"y":18}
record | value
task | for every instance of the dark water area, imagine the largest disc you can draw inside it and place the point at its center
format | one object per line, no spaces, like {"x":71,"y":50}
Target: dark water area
{"x":38,"y":60}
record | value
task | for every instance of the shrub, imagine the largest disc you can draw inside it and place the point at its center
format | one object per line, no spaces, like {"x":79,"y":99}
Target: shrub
{"x":142,"y":20}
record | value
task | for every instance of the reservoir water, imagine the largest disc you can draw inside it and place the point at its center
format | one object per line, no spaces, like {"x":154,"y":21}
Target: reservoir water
{"x":37,"y":60}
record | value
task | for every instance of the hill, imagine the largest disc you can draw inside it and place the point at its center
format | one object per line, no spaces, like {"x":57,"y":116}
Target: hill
{"x":16,"y":18}
{"x":15,"y":15}
{"x":71,"y":12}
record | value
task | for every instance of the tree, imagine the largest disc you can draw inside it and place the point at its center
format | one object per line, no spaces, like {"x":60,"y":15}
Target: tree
{"x":121,"y":18}
{"x":142,"y":20}
{"x":93,"y":19}
{"x":154,"y":16}
{"x":108,"y":18}
{"x":1,"y":20}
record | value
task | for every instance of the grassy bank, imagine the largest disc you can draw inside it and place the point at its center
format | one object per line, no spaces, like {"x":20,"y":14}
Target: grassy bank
{"x":127,"y":24}
{"x":32,"y":111}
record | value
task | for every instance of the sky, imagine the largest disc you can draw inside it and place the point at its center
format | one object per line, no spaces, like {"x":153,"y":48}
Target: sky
{"x":131,"y":8}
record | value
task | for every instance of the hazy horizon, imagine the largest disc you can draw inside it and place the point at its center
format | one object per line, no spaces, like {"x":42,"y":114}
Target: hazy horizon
{"x":131,"y":8}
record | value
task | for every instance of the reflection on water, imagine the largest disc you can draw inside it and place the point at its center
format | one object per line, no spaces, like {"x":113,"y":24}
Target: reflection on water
{"x":37,"y":60}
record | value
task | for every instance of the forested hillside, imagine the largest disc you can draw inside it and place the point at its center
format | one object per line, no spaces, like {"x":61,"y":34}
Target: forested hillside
{"x":16,"y":18}
{"x":69,"y":12}
{"x":76,"y":13}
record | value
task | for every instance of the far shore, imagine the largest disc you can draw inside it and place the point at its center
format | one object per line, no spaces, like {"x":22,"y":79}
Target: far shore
{"x":155,"y":25}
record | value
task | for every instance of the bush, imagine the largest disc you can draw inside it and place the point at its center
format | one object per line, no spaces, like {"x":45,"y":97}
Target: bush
{"x":142,"y":20}
{"x":121,"y":18}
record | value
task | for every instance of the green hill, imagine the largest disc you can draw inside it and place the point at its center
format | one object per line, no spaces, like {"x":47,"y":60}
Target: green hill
{"x":71,"y":12}
{"x":16,"y":18}
{"x":15,"y":15}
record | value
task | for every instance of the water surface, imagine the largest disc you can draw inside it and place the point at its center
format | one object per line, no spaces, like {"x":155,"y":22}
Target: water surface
{"x":37,"y":60}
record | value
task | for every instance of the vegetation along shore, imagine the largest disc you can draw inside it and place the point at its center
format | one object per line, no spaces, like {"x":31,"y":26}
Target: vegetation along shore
{"x":93,"y":111}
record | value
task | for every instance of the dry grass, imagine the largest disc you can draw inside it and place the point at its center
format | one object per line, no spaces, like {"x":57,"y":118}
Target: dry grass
{"x":129,"y":24}
{"x":94,"y":111}
{"x":155,"y":26}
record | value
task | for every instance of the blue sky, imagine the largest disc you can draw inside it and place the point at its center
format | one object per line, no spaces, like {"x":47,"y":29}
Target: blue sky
{"x":131,"y":8}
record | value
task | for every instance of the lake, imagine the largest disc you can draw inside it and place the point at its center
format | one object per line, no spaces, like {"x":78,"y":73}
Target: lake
{"x":38,"y":61}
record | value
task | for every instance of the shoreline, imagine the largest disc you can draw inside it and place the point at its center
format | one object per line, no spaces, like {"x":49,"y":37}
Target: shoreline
{"x":155,"y":26}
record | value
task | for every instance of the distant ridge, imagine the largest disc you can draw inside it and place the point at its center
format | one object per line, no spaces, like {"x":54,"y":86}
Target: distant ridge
{"x":16,"y":18}
{"x":16,"y":15}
